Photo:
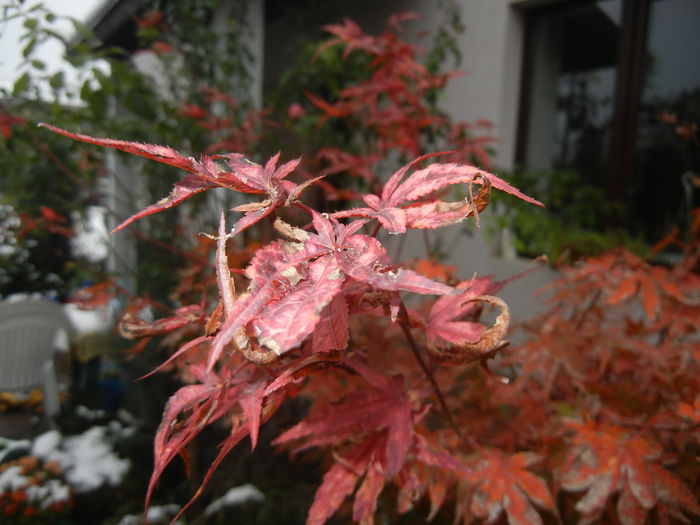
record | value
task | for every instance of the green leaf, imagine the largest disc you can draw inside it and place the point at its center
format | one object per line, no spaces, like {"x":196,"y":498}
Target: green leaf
{"x":106,"y":82}
{"x":27,"y":50}
{"x":38,"y":64}
{"x":85,"y":90}
{"x":84,"y":31}
{"x":31,"y":24}
{"x":21,"y":84}
{"x":56,"y":80}
{"x":97,"y":102}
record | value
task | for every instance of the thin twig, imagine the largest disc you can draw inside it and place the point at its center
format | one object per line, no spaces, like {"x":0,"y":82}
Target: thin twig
{"x":426,"y":241}
{"x":135,"y":231}
{"x":587,"y":309}
{"x":403,"y":321}
{"x":399,"y":248}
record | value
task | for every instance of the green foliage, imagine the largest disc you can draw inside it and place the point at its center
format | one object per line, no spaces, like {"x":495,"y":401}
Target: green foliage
{"x":114,"y":97}
{"x":325,"y":74}
{"x":572,"y":225}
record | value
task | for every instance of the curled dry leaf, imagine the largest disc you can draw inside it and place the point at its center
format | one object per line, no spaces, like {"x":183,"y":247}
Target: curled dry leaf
{"x":132,"y":327}
{"x":247,"y":346}
{"x":490,"y":340}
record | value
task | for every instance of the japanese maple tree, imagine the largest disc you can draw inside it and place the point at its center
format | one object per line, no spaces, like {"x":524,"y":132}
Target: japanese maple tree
{"x":594,"y":417}
{"x":297,"y":316}
{"x":601,"y":418}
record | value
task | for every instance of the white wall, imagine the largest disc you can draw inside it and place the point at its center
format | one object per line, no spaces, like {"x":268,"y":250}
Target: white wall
{"x":491,"y":48}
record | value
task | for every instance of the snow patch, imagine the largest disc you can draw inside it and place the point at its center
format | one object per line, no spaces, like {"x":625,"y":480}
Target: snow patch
{"x":9,"y":445}
{"x":156,"y":514}
{"x":53,"y":491}
{"x":44,"y":495}
{"x":89,"y":414}
{"x":12,"y":479}
{"x":46,"y":443}
{"x":87,"y":459}
{"x":235,"y":496}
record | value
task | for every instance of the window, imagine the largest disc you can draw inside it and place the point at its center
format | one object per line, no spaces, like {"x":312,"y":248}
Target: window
{"x":602,"y":82}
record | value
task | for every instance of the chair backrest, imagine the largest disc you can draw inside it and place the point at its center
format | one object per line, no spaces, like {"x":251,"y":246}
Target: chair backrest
{"x":28,"y":329}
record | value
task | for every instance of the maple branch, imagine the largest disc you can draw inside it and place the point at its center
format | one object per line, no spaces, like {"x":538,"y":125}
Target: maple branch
{"x":136,"y":232}
{"x":649,"y":426}
{"x":399,"y":248}
{"x":584,"y":313}
{"x":403,"y":321}
{"x":304,"y":207}
{"x":426,"y":241}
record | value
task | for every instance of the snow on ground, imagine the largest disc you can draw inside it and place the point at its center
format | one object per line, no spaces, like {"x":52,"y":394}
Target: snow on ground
{"x":88,"y":413}
{"x":52,"y":492}
{"x":44,"y":495}
{"x":156,"y":514}
{"x":9,"y":445}
{"x":235,"y":496}
{"x":164,"y":513}
{"x":87,"y":459}
{"x":88,"y":462}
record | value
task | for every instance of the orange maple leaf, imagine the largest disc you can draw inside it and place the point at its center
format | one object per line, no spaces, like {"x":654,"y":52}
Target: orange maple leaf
{"x":502,"y":483}
{"x":607,"y":459}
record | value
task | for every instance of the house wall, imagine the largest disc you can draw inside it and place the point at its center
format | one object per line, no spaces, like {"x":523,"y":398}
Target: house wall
{"x":491,"y":47}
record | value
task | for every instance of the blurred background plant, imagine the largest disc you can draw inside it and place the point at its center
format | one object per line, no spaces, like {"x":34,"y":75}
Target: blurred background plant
{"x":574,"y":224}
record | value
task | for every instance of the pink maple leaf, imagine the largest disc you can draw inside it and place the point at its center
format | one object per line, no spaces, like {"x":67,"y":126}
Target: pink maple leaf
{"x":444,"y":324}
{"x":403,"y":203}
{"x":291,"y":284}
{"x":230,"y":171}
{"x":384,"y":406}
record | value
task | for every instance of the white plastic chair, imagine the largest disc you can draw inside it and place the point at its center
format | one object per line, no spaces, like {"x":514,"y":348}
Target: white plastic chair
{"x":28,"y":331}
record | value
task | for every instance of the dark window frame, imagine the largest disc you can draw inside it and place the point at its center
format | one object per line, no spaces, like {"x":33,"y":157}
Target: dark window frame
{"x":627,"y":91}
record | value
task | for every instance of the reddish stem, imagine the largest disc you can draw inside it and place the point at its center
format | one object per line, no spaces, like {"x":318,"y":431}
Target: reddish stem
{"x":403,"y":321}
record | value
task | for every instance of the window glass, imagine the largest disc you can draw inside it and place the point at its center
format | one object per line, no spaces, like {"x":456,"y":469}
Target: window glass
{"x":667,"y":160}
{"x":574,"y":59}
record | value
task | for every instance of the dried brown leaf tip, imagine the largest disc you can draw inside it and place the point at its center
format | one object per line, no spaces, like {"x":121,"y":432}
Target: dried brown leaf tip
{"x":490,"y":341}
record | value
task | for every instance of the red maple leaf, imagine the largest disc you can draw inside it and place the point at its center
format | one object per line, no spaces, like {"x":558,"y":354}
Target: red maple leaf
{"x":338,"y":161}
{"x":351,"y":33}
{"x":443,"y":324}
{"x":373,"y":439}
{"x":244,"y":394}
{"x":332,"y":330}
{"x":96,"y":295}
{"x":454,"y":340}
{"x":340,"y":481}
{"x":131,"y":326}
{"x":7,"y":121}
